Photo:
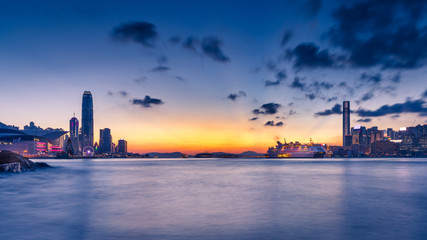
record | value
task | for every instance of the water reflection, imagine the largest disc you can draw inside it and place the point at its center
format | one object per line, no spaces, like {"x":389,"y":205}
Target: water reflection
{"x":217,"y":199}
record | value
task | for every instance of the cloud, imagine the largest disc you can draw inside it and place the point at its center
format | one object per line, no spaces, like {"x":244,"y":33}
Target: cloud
{"x":367,"y":96}
{"x":143,"y":33}
{"x":191,"y":43}
{"x":147,"y":102}
{"x":408,"y":106}
{"x":141,"y":79}
{"x":160,"y":69}
{"x":308,"y":55}
{"x":364,"y":120}
{"x":334,"y":110}
{"x":396,"y":78}
{"x":311,"y":96}
{"x":123,"y":93}
{"x":211,"y":47}
{"x":388,"y":34}
{"x":297,"y":84}
{"x":253,"y":119}
{"x":162,"y":59}
{"x":175,"y":39}
{"x":280,"y":76}
{"x":331,"y":99}
{"x":312,"y":7}
{"x":272,"y":124}
{"x":179,"y":78}
{"x":425,"y":94}
{"x":372,"y":78}
{"x":234,"y":96}
{"x":285,"y":38}
{"x":268,"y":108}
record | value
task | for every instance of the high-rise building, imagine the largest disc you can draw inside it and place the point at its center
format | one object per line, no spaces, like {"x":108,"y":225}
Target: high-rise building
{"x":105,"y":140}
{"x":122,"y":146}
{"x":87,"y":120}
{"x":74,"y":134}
{"x":345,"y":122}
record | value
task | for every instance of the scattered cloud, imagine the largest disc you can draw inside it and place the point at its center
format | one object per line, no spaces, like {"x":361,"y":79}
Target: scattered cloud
{"x":334,"y":110}
{"x":280,"y":76}
{"x":211,"y":47}
{"x":272,"y":124}
{"x":308,"y":55}
{"x":147,"y":102}
{"x":364,"y":120}
{"x":409,"y":106}
{"x":297,"y":83}
{"x":140,"y":79}
{"x":285,"y":38}
{"x":424,"y":95}
{"x":371,"y":78}
{"x":160,"y":69}
{"x":388,"y":34}
{"x":123,"y":93}
{"x":191,"y":43}
{"x":331,"y":99}
{"x":234,"y":96}
{"x":253,"y":119}
{"x":367,"y":96}
{"x":143,"y":33}
{"x":268,"y":108}
{"x":312,"y":7}
{"x":175,"y":39}
{"x":180,"y":78}
{"x":162,"y":59}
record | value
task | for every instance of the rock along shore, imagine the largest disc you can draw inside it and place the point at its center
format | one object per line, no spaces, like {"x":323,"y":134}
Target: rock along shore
{"x":15,"y":163}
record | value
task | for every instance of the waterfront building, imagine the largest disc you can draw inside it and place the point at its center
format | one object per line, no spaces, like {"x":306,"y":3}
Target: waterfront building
{"x":346,"y":124}
{"x":87,"y":120}
{"x":30,"y":141}
{"x":74,"y":135}
{"x":105,"y":140}
{"x":122,"y":146}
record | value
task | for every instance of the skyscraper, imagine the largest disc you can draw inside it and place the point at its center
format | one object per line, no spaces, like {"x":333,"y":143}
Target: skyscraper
{"x":87,"y":119}
{"x":74,"y":134}
{"x":345,"y":122}
{"x":105,"y":140}
{"x":122,"y":146}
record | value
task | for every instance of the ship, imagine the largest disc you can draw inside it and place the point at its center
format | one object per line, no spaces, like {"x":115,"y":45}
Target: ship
{"x":296,"y":150}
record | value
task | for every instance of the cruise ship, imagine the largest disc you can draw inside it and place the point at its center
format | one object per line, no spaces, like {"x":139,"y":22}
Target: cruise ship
{"x":296,"y":150}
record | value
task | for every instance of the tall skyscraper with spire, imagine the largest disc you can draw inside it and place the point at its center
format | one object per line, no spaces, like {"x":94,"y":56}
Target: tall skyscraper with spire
{"x":87,"y":120}
{"x":345,"y":123}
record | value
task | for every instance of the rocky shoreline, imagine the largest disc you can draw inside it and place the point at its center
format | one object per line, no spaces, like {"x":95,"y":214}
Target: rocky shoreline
{"x":14,"y":163}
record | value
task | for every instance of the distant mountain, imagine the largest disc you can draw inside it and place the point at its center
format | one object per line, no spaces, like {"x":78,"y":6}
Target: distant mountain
{"x":166,"y":155}
{"x":247,"y":154}
{"x":251,"y":154}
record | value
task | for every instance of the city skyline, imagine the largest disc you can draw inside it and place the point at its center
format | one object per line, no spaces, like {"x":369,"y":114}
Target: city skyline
{"x":214,"y":76}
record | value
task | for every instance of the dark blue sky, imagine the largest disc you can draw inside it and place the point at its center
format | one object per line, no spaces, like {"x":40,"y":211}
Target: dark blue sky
{"x":214,"y":73}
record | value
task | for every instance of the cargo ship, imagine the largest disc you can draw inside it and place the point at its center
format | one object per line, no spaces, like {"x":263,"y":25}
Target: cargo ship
{"x":296,"y":150}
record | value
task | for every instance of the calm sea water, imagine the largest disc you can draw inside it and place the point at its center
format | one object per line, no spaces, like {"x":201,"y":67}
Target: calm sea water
{"x":217,"y":199}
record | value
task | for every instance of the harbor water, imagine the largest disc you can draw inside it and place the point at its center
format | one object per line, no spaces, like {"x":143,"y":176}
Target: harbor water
{"x":217,"y":199}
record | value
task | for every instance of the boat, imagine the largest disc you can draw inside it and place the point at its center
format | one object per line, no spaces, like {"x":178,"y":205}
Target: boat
{"x":296,"y":150}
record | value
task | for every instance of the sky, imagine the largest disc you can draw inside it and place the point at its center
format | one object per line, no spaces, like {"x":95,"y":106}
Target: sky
{"x":205,"y":76}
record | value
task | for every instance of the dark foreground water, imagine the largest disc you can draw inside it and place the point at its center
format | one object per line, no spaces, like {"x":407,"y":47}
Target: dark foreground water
{"x":217,"y":199}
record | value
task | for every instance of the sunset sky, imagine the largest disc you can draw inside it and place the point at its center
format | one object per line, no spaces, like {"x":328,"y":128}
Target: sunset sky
{"x":196,"y":76}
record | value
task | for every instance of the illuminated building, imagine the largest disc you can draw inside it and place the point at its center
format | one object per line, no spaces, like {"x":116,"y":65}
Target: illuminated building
{"x":105,"y":140}
{"x":74,"y":134}
{"x":87,"y":120}
{"x":122,"y":146}
{"x":33,"y":140}
{"x":346,"y":124}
